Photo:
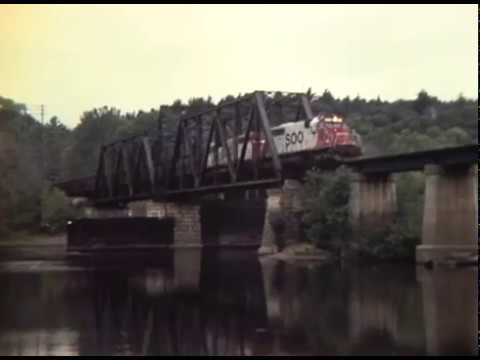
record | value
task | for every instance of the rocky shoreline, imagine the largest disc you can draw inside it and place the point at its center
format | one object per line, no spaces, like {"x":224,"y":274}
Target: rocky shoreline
{"x":297,"y":252}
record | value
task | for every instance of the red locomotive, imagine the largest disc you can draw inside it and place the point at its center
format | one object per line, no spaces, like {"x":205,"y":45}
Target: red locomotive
{"x":323,"y":133}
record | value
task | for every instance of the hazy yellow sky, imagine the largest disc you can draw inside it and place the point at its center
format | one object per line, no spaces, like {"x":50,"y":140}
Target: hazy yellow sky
{"x":75,"y":57}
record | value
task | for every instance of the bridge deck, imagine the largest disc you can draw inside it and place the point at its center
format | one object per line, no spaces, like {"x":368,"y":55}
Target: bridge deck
{"x":143,"y":167}
{"x":415,"y":161}
{"x":294,"y":165}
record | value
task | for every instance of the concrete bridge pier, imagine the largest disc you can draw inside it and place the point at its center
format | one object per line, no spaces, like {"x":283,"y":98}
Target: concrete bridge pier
{"x":187,"y":228}
{"x":373,"y":201}
{"x":273,"y":214}
{"x":449,"y":230}
{"x":283,"y":217}
{"x":292,"y":204}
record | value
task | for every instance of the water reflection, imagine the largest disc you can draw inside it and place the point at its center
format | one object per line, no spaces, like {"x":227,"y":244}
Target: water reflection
{"x":327,"y":310}
{"x":450,"y":305}
{"x":230,"y":304}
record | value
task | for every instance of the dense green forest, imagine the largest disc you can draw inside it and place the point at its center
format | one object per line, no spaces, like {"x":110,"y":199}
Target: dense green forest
{"x":32,"y":156}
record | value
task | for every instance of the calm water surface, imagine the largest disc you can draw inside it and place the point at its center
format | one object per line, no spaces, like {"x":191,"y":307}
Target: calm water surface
{"x":230,"y":303}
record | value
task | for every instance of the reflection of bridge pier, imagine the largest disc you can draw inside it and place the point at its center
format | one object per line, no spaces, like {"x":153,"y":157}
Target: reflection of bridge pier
{"x":450,"y":298}
{"x":371,"y":311}
{"x":283,"y":285}
{"x":187,"y":268}
{"x":269,"y":267}
{"x":382,"y":307}
{"x":194,"y":309}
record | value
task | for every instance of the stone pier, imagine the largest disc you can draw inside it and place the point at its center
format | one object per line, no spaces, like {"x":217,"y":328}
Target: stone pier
{"x":450,"y":215}
{"x":187,"y":228}
{"x":283,"y":217}
{"x":373,"y":201}
{"x":273,"y":214}
{"x":292,"y":204}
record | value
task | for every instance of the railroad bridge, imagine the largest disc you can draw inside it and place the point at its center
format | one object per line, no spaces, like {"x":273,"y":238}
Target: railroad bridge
{"x":146,"y":176}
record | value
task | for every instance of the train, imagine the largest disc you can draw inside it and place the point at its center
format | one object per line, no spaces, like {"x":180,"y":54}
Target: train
{"x":324,"y":133}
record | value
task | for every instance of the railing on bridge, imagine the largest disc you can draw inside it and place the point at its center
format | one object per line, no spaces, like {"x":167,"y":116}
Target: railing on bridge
{"x":144,"y":167}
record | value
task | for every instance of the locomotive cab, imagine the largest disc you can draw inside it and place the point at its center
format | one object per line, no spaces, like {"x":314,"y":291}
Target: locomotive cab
{"x":323,"y":133}
{"x":332,"y":132}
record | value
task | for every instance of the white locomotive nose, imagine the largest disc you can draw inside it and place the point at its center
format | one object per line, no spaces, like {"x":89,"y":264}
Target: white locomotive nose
{"x":314,"y":124}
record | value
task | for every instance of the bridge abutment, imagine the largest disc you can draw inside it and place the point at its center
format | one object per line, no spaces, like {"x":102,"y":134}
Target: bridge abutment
{"x":449,"y":229}
{"x":373,"y":201}
{"x":187,"y":227}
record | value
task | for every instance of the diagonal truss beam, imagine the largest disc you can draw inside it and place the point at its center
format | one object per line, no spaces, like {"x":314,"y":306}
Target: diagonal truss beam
{"x":126,"y":168}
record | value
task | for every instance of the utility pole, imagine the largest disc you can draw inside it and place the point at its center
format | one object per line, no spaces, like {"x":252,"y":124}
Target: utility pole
{"x":42,"y":142}
{"x":42,"y":113}
{"x":42,"y":159}
{"x":33,"y":111}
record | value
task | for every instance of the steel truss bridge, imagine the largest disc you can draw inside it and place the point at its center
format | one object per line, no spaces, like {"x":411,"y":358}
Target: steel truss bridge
{"x":149,"y":167}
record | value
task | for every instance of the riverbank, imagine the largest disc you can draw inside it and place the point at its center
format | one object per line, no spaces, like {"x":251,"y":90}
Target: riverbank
{"x":33,"y":239}
{"x":308,"y":252}
{"x":301,"y":252}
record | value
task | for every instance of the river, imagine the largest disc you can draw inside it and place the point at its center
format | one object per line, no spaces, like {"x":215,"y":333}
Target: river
{"x":230,"y":303}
